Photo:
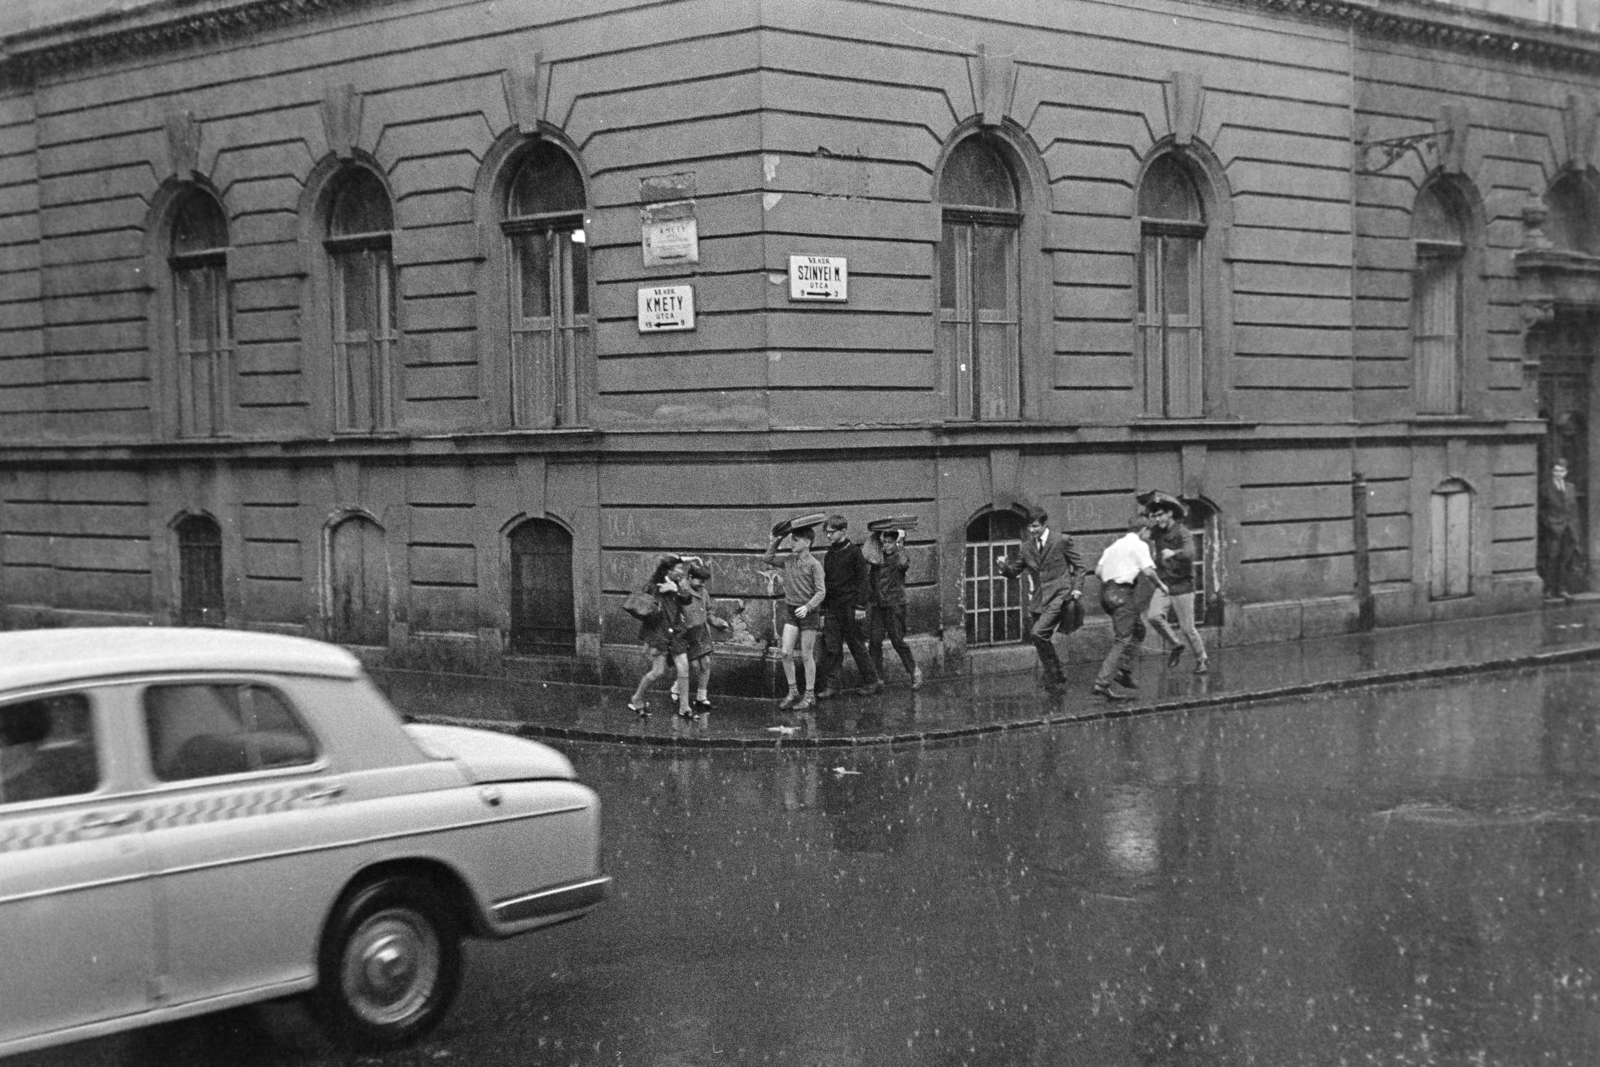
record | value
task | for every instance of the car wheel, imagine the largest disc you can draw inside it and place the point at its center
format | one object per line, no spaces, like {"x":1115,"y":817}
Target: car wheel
{"x":389,"y":965}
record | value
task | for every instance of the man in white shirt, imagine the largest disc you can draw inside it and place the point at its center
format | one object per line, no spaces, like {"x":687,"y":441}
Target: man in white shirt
{"x":1119,"y":570}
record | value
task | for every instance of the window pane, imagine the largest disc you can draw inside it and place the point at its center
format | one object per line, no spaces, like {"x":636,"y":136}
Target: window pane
{"x":580,"y":272}
{"x":948,"y":246}
{"x":360,"y":302}
{"x":198,"y":225}
{"x":1167,"y":192}
{"x":975,"y":176}
{"x":278,"y":738}
{"x":194,"y":731}
{"x":995,"y":266}
{"x":360,"y":206}
{"x":1572,"y":224}
{"x":47,"y":749}
{"x":1176,"y":258}
{"x":1433,"y":219}
{"x":533,"y":260}
{"x":547,"y":181}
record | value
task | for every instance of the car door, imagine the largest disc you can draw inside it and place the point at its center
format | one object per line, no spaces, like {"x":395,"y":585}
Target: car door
{"x":238,"y":835}
{"x":77,"y":915}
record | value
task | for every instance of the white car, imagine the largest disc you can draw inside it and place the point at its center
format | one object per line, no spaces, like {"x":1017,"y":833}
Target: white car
{"x":192,"y":820}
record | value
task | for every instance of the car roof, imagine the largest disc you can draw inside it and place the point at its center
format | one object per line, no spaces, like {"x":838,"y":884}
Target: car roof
{"x":44,"y":657}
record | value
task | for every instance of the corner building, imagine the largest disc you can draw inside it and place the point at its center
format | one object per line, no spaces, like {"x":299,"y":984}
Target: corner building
{"x":326,"y":316}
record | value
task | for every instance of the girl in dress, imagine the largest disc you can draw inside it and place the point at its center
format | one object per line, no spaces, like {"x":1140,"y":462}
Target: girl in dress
{"x":698,"y":619}
{"x":664,"y":633}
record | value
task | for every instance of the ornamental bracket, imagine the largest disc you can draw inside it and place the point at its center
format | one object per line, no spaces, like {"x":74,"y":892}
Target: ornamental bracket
{"x":1393,"y":149}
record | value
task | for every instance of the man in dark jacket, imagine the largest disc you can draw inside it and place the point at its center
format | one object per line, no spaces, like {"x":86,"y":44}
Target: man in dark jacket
{"x":844,"y":608}
{"x":1558,"y":531}
{"x":888,"y":607}
{"x":1057,"y":582}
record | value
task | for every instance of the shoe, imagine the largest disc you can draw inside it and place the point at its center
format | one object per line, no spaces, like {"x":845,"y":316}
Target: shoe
{"x":1174,"y":656}
{"x":1109,"y":693}
{"x":640,"y":710}
{"x":875,"y":687}
{"x":1203,"y":667}
{"x":672,"y":694}
{"x":916,"y":678}
{"x":685,"y":713}
{"x":1125,"y":679}
{"x":807,"y":701}
{"x":824,"y":694}
{"x":702,"y":706}
{"x":790,"y":700}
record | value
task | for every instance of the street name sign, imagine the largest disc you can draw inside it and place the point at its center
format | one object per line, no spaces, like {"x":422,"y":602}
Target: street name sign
{"x":819,"y":278}
{"x":666,"y":307}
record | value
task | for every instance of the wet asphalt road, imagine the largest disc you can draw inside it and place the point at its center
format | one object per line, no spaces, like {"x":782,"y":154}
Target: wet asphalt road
{"x":1396,"y":876}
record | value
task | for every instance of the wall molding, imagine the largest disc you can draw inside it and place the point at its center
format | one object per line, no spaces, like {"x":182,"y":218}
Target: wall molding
{"x":114,"y":35}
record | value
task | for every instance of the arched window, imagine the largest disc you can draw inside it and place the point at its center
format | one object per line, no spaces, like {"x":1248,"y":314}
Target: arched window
{"x":358,"y":582}
{"x":993,"y":602}
{"x":199,"y":571}
{"x":980,"y":281}
{"x":1450,"y":542}
{"x":1574,"y":222}
{"x":202,"y":313}
{"x":365,"y":335}
{"x":551,"y":326}
{"x":1171,"y":323}
{"x":542,"y":611}
{"x":1437,"y":231}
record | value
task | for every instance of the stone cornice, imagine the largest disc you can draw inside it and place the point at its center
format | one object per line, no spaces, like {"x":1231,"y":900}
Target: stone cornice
{"x":169,"y":25}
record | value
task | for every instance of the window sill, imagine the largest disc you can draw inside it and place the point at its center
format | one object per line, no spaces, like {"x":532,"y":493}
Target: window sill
{"x":1154,"y":422}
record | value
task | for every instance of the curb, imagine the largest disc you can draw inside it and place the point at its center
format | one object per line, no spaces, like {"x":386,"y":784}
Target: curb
{"x":921,"y":737}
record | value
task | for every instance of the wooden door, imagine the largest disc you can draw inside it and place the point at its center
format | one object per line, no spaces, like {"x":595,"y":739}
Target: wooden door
{"x":542,"y":613}
{"x":359,"y":580}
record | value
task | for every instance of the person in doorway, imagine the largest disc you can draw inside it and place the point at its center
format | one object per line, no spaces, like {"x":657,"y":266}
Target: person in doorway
{"x":1124,"y":564}
{"x":804,"y":586}
{"x":888,"y":606}
{"x":1058,"y":574}
{"x":1172,"y":547}
{"x":844,"y":609}
{"x":1558,"y":531}
{"x":664,"y":634}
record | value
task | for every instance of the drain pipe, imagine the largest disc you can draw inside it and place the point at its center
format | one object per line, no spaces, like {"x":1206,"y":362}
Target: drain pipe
{"x":1366,"y":616}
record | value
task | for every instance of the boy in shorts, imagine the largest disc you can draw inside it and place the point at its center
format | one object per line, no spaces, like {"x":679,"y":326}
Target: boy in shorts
{"x":803,"y":590}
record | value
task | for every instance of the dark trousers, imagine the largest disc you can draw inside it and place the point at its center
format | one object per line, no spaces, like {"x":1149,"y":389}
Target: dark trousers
{"x":839,"y":628}
{"x":1041,"y":634}
{"x":1558,"y":554}
{"x":1127,"y":630}
{"x":888,"y":620}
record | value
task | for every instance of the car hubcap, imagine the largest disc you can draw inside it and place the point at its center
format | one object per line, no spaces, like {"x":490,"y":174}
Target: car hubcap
{"x":391,"y":966}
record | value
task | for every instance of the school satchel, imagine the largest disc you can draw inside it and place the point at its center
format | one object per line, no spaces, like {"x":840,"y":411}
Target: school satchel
{"x":642,"y":606}
{"x":1072,"y":615}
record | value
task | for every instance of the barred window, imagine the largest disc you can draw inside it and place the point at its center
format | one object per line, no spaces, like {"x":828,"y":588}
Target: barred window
{"x":993,"y":603}
{"x":199,"y":572}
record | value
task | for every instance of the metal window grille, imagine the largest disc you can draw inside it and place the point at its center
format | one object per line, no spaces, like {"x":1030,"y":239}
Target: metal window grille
{"x":199,"y":572}
{"x":994,"y":604}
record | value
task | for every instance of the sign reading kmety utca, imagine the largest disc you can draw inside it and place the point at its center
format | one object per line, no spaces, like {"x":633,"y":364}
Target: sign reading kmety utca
{"x":666,"y":307}
{"x":819,"y":278}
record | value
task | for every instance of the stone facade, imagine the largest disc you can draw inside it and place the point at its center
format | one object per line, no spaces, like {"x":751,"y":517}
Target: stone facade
{"x":324,"y":315}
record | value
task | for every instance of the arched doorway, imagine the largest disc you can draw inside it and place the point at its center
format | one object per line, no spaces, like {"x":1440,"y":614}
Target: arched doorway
{"x":542,"y":611}
{"x":992,"y":603}
{"x":1206,"y":526}
{"x":358,"y":582}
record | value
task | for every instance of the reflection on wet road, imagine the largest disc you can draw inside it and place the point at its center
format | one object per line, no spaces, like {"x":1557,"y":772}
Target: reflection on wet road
{"x":1398,"y":876}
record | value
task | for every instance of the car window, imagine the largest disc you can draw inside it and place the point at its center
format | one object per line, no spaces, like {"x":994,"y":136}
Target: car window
{"x":47,"y":749}
{"x":203,"y":730}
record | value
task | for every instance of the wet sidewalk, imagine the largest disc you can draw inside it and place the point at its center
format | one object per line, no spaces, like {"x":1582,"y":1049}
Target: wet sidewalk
{"x":979,"y":704}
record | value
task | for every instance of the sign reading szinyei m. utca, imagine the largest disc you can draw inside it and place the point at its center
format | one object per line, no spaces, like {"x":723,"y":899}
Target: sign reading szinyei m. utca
{"x":819,"y":278}
{"x":666,"y":307}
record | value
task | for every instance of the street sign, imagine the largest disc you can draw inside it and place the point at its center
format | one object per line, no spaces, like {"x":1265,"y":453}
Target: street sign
{"x":666,"y":307}
{"x":819,"y":278}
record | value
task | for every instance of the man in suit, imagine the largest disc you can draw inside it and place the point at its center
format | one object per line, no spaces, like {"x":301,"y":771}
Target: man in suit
{"x":1558,"y":530}
{"x":1058,"y":573}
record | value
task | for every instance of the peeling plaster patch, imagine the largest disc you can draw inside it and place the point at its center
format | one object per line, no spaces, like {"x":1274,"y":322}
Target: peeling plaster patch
{"x":776,"y":279}
{"x":775,"y":357}
{"x":770,"y":200}
{"x":769,"y":165}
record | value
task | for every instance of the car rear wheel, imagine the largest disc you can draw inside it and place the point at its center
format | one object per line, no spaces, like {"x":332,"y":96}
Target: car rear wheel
{"x":390,"y":963}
